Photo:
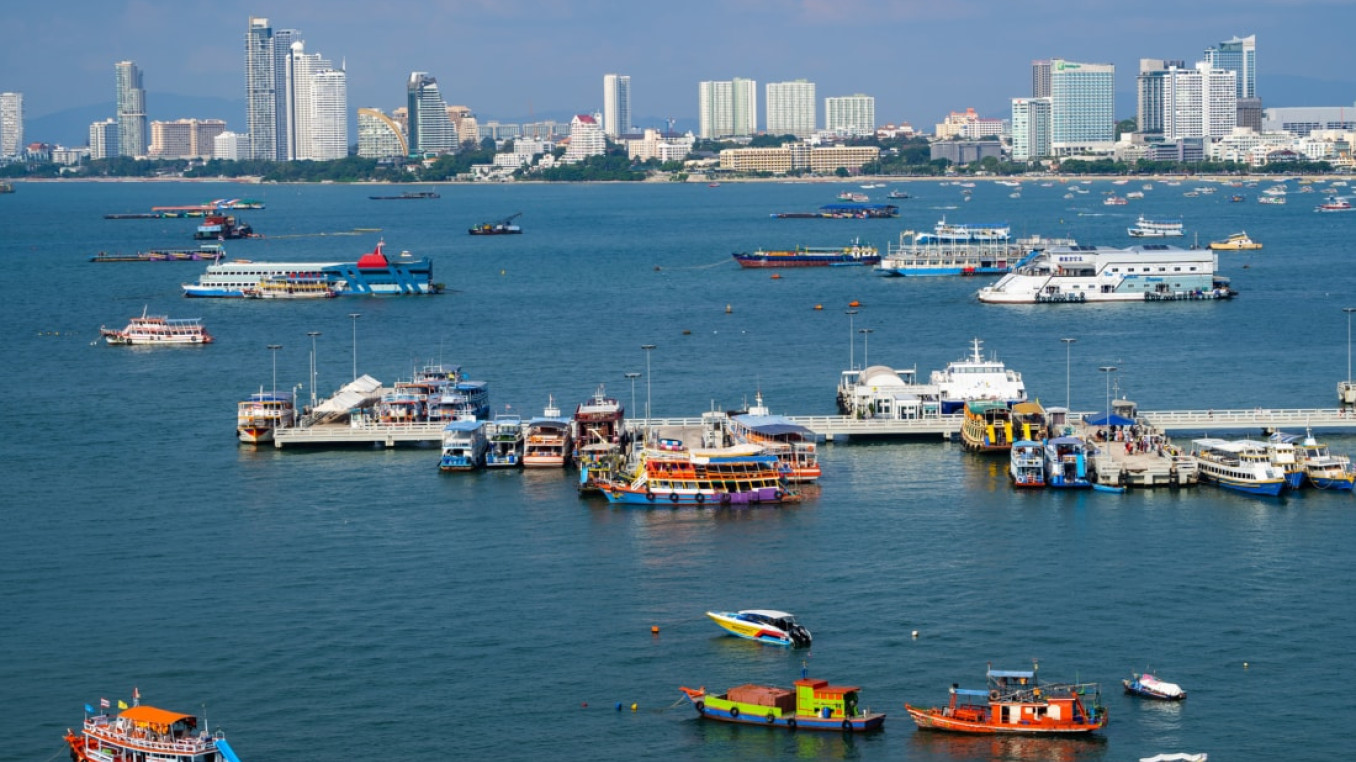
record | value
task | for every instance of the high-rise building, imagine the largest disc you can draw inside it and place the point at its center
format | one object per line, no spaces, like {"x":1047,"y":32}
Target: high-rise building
{"x":850,"y":114}
{"x":1199,"y":103}
{"x":430,"y":131}
{"x":1030,"y":128}
{"x":11,"y":123}
{"x":261,"y":92}
{"x":1238,"y":55}
{"x":131,"y":103}
{"x":380,"y":136}
{"x":103,"y":139}
{"x":1040,"y":78}
{"x":1149,"y":94}
{"x":586,"y":138}
{"x":728,"y":108}
{"x":464,"y":121}
{"x":299,"y":70}
{"x":790,"y":108}
{"x":328,"y":139}
{"x":1082,"y":107}
{"x":616,"y":104}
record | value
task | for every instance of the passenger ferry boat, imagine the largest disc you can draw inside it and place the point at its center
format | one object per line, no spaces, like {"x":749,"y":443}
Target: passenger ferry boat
{"x":776,"y":628}
{"x":987,"y":426}
{"x":1322,"y":469}
{"x":546,"y":440}
{"x":1238,"y":466}
{"x":1026,"y":464}
{"x":158,"y":331}
{"x":1147,"y":228}
{"x":792,"y":444}
{"x":811,"y":256}
{"x":975,"y":378}
{"x":296,"y":286}
{"x":1151,"y":272}
{"x":505,"y":448}
{"x":815,"y":705}
{"x":145,"y":733}
{"x":465,"y":400}
{"x":741,"y":475}
{"x":464,"y":446}
{"x":373,"y":273}
{"x":961,"y":249}
{"x":600,"y":439}
{"x":1066,"y":463}
{"x":257,"y":417}
{"x":1016,"y":703}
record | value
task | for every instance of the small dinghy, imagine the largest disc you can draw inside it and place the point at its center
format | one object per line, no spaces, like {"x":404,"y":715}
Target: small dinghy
{"x":1148,"y":686}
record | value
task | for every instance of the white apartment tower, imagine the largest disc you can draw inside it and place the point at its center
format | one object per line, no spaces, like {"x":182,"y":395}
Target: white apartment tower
{"x":1082,"y":107}
{"x":131,"y":104}
{"x":791,"y":108}
{"x":1153,"y":73}
{"x":728,"y":108}
{"x":1030,"y":129}
{"x":616,"y":104}
{"x":850,"y":114}
{"x":103,"y":139}
{"x":1199,"y":103}
{"x":329,"y":115}
{"x":11,"y":123}
{"x":261,"y":91}
{"x":586,"y":139}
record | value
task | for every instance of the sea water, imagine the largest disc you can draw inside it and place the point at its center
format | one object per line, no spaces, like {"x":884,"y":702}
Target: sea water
{"x":314,"y":603}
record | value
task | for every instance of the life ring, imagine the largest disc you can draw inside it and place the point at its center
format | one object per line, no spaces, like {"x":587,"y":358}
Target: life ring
{"x":791,"y":723}
{"x":847,"y":726}
{"x":701,"y":707}
{"x":701,"y":498}
{"x":771,"y":718}
{"x":649,"y":496}
{"x":993,"y":695}
{"x":734,"y":712}
{"x":673,"y":497}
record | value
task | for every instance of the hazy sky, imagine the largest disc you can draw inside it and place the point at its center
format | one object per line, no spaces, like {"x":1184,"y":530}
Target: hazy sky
{"x":507,"y":59}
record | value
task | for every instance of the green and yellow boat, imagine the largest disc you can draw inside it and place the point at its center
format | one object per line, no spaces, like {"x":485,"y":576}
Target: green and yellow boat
{"x":814,"y":705}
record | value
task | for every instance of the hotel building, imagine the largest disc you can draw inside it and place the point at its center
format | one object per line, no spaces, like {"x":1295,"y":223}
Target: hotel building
{"x":430,"y":131}
{"x":1030,"y":129}
{"x":791,"y":108}
{"x":380,"y":136}
{"x":1199,"y":103}
{"x":11,"y":123}
{"x":1082,"y":107}
{"x":131,"y":104}
{"x":850,"y":114}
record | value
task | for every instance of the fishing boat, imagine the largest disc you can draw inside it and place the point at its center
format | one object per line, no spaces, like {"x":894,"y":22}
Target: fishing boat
{"x":810,"y":256}
{"x":1147,"y":228}
{"x":143,"y":732}
{"x":1078,"y":274}
{"x":1334,"y":204}
{"x":505,"y":448}
{"x":792,"y":444}
{"x":672,"y":475}
{"x":258,"y":416}
{"x":776,"y":628}
{"x":1236,"y":242}
{"x":546,"y":440}
{"x":1016,"y":703}
{"x":1066,"y":463}
{"x":814,"y":705}
{"x":223,"y":227}
{"x":1322,"y":468}
{"x":296,"y":286}
{"x":1237,"y":466}
{"x":987,"y":426}
{"x":977,"y":378}
{"x":373,"y":274}
{"x":502,"y":227}
{"x":408,"y":196}
{"x":1026,"y":464}
{"x":600,"y":439}
{"x":158,"y":331}
{"x":464,"y":445}
{"x":1148,"y":686}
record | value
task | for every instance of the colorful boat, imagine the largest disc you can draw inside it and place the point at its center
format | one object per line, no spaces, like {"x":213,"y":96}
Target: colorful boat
{"x":776,"y":628}
{"x":792,"y":444}
{"x":810,"y":256}
{"x":1148,"y":686}
{"x":463,"y":400}
{"x":1238,"y":466}
{"x":1026,"y":464}
{"x":257,"y":417}
{"x":815,"y":705}
{"x":296,"y":286}
{"x":503,"y":227}
{"x":671,"y":475}
{"x":464,"y":446}
{"x":144,"y":733}
{"x":1236,"y":242}
{"x":223,"y":227}
{"x":1334,"y":204}
{"x":987,"y":426}
{"x":546,"y":441}
{"x":207,"y":251}
{"x":599,"y":439}
{"x":1066,"y":463}
{"x":1016,"y":703}
{"x":505,"y":448}
{"x":158,"y":331}
{"x":373,"y":274}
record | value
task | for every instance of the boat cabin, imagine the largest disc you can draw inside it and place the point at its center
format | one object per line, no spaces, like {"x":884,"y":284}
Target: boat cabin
{"x":818,"y":698}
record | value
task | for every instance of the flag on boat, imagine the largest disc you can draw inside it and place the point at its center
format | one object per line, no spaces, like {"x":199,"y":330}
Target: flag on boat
{"x":103,"y":703}
{"x":122,"y":704}
{"x":89,"y":709}
{"x":136,"y":693}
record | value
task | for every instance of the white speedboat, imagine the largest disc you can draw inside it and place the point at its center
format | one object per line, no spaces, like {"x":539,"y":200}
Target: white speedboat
{"x":776,"y":628}
{"x":1148,"y":686}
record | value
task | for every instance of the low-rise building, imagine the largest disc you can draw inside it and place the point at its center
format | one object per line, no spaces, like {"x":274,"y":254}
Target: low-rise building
{"x":965,"y":151}
{"x":231,"y":146}
{"x":656,"y":145}
{"x":184,"y":138}
{"x":793,"y":156}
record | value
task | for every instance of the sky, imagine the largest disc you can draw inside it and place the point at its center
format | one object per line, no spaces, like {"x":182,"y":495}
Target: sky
{"x":513,"y":59}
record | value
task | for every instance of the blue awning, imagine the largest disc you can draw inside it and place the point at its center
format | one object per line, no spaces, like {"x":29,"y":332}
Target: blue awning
{"x":1108,"y":420}
{"x":971,"y":692}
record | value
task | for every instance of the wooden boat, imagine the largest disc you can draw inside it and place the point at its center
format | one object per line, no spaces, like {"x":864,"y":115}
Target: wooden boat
{"x":793,"y":444}
{"x":505,"y":447}
{"x":258,"y":416}
{"x":672,"y":475}
{"x":776,"y":628}
{"x":1148,"y":686}
{"x":815,"y":705}
{"x":600,"y":438}
{"x":987,"y":426}
{"x":142,"y":732}
{"x":1028,"y":421}
{"x":1016,"y":703}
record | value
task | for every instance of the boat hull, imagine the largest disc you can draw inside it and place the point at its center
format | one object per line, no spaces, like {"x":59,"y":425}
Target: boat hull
{"x":863,"y":724}
{"x":751,"y":630}
{"x":759,"y":496}
{"x":934,"y":719}
{"x":1135,"y":688}
{"x":1323,"y":482}
{"x":753,"y":261}
{"x":1263,"y":488}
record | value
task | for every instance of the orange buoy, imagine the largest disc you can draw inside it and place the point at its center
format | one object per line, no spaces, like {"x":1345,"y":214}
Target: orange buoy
{"x":819,"y":306}
{"x":854,"y":303}
{"x":776,"y":276}
{"x":654,"y":630}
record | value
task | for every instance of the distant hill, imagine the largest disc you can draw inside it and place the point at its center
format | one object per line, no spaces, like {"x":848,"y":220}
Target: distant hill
{"x":70,"y":127}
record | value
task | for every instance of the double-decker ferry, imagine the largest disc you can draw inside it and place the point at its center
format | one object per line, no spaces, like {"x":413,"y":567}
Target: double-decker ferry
{"x":258,"y":416}
{"x":741,"y":475}
{"x":1145,"y":273}
{"x":1239,"y":466}
{"x":158,"y":331}
{"x":975,"y":378}
{"x":1147,"y":228}
{"x":373,"y":274}
{"x":142,"y":732}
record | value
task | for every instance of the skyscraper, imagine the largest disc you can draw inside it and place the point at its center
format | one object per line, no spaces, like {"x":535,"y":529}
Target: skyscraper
{"x":430,"y":131}
{"x":1030,"y":128}
{"x":261,"y":92}
{"x":1149,"y":94}
{"x":850,"y":114}
{"x":791,"y":108}
{"x":131,"y":100}
{"x":329,"y":115}
{"x":1238,"y":55}
{"x":616,"y":104}
{"x":1199,"y":103}
{"x":11,"y":123}
{"x":1040,"y":79}
{"x":728,"y":108}
{"x":1082,"y":106}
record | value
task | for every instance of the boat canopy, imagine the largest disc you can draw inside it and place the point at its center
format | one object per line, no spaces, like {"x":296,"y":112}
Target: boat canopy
{"x":463,"y":426}
{"x":1017,"y":673}
{"x":1108,"y":419}
{"x":772,"y":425}
{"x":156,"y":717}
{"x":355,"y":393}
{"x":970,"y":692}
{"x":1062,"y":441}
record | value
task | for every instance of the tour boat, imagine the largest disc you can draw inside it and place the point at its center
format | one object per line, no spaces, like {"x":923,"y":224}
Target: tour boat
{"x":1334,"y":204}
{"x":1028,"y":421}
{"x":975,"y":378}
{"x":158,"y":331}
{"x":1236,"y":242}
{"x":1276,"y":200}
{"x":599,"y":439}
{"x":810,"y":256}
{"x":1322,"y":469}
{"x":373,"y":273}
{"x":1282,"y":453}
{"x":776,"y":628}
{"x":546,"y":441}
{"x":1026,"y":464}
{"x":464,"y":400}
{"x":1147,"y":228}
{"x":505,"y":447}
{"x":1066,"y":463}
{"x":856,"y":197}
{"x":1237,"y":466}
{"x":814,"y":705}
{"x":142,"y":732}
{"x":987,"y":426}
{"x":1016,"y":703}
{"x":1148,"y":686}
{"x":257,"y":417}
{"x":792,"y":444}
{"x":223,"y":227}
{"x":1076,"y":274}
{"x":296,"y":286}
{"x":464,"y":445}
{"x":672,"y":475}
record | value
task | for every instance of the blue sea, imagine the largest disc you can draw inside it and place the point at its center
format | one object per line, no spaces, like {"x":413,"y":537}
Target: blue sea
{"x":316,"y":603}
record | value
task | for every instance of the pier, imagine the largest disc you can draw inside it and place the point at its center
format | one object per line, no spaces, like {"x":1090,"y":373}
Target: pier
{"x":833,"y":427}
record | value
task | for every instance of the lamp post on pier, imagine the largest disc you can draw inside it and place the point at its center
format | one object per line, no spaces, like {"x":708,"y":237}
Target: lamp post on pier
{"x":273,"y":350}
{"x":313,"y":334}
{"x":852,"y":339}
{"x":355,"y":316}
{"x":866,"y":347}
{"x":633,"y":376}
{"x":1108,"y":370}
{"x":1067,"y":344}
{"x":647,"y":348}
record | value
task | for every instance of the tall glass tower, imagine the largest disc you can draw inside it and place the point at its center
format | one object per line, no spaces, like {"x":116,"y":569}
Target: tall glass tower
{"x":431,"y":131}
{"x":1238,"y":55}
{"x":261,"y":90}
{"x":131,"y":99}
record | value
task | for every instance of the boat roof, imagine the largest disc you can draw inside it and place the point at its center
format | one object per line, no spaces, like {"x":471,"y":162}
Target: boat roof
{"x":772,"y":425}
{"x":1065,"y":440}
{"x":1017,"y":673}
{"x":980,"y":406}
{"x":153,"y":716}
{"x":463,"y":425}
{"x":971,"y":692}
{"x":553,"y":421}
{"x":1229,"y":445}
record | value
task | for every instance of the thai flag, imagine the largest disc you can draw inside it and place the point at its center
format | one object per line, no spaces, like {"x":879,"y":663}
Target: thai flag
{"x":103,"y":703}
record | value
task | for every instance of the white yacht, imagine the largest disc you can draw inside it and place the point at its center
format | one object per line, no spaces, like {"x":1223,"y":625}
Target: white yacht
{"x":1149,"y":272}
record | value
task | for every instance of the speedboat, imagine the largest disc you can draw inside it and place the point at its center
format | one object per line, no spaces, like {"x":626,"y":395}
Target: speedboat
{"x":1148,"y":686}
{"x":1236,"y":242}
{"x":775,"y":628}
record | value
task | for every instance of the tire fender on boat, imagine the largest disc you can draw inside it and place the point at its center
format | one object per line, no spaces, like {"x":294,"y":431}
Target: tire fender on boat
{"x":734,"y":712}
{"x":791,"y":723}
{"x":771,"y":718}
{"x":673,"y":497}
{"x":701,"y":498}
{"x":649,"y":495}
{"x":993,"y":695}
{"x":847,"y":726}
{"x":701,"y":707}
{"x":725,"y":498}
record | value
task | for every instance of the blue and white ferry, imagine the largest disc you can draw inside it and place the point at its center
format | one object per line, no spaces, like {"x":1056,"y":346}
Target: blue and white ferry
{"x":1239,"y":466}
{"x":464,"y":445}
{"x":1146,"y":273}
{"x":373,"y":273}
{"x":962,"y":249}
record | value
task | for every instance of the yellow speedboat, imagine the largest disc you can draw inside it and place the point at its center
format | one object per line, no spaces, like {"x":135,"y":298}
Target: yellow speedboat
{"x":1235,"y":242}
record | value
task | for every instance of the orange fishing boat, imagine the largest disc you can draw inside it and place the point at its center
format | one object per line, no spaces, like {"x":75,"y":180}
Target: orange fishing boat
{"x":1016,"y":703}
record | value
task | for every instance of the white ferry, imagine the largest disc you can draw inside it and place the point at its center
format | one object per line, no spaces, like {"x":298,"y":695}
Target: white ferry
{"x":1147,"y":228}
{"x":1239,"y":466}
{"x":975,"y":378}
{"x":158,"y":331}
{"x":1150,"y":272}
{"x":373,"y":273}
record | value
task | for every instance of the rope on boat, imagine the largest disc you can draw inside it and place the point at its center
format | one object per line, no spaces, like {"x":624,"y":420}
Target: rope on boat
{"x":717,"y":263}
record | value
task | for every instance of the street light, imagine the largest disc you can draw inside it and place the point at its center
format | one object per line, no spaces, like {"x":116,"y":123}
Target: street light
{"x":866,"y":348}
{"x":313,"y":334}
{"x":355,"y":316}
{"x":1108,"y":370}
{"x":1349,"y":310}
{"x":647,"y":348}
{"x":273,"y":349}
{"x":633,"y":376}
{"x":852,"y":339}
{"x":1067,"y":344}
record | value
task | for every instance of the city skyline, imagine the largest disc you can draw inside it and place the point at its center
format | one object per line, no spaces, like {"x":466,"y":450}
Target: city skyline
{"x":548,"y":58}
